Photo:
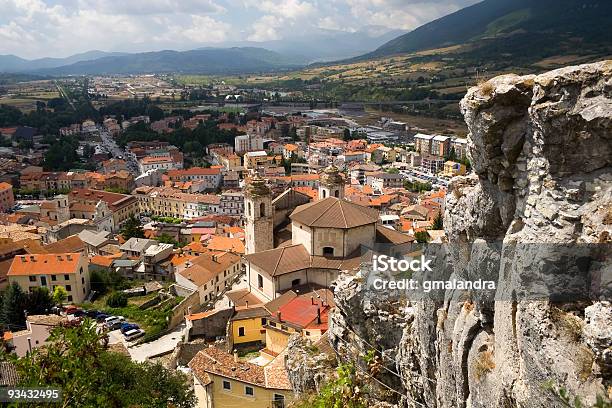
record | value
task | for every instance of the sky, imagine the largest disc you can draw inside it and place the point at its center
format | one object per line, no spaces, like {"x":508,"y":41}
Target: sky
{"x":59,"y":28}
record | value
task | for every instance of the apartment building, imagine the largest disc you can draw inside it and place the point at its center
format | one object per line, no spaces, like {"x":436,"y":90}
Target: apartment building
{"x":248,"y":143}
{"x":7,"y":200}
{"x":122,"y":206}
{"x":422,"y":143}
{"x":168,"y":202}
{"x":69,"y":270}
{"x":231,"y":203}
{"x":210,"y":178}
{"x":211,"y":274}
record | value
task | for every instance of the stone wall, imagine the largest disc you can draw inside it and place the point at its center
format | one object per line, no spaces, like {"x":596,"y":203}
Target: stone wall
{"x":541,"y":148}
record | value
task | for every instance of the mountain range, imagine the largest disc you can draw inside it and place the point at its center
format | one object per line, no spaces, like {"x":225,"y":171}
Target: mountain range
{"x":227,"y":58}
{"x":519,"y":31}
{"x":521,"y":28}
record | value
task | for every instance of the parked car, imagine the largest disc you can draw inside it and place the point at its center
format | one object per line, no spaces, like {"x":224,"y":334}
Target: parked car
{"x":71,"y":309}
{"x":92,"y":313}
{"x":79,"y":313}
{"x":111,"y":320}
{"x":101,"y":317}
{"x":133,"y":334}
{"x":126,"y":327}
{"x":115,"y":323}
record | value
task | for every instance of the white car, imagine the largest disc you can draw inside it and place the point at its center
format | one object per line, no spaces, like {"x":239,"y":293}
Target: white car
{"x":112,"y":321}
{"x":133,"y":334}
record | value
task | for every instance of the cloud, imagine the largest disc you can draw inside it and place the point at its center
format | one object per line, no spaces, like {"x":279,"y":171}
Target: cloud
{"x":146,"y":7}
{"x":37,"y":28}
{"x":267,"y":28}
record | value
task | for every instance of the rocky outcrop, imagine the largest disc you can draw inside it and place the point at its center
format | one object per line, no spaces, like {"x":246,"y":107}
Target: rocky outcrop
{"x":307,"y":366}
{"x":541,"y":148}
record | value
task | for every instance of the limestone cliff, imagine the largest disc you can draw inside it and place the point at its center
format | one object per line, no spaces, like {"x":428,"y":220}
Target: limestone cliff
{"x":541,"y":148}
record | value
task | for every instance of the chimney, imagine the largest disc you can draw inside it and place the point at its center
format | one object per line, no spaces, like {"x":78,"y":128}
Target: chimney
{"x":318,"y":315}
{"x":278,"y":316}
{"x":312,"y":302}
{"x":246,"y":303}
{"x":235,"y":356}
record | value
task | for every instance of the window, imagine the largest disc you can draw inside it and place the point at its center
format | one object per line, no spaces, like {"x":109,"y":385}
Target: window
{"x":262,"y":209}
{"x":263,"y":321}
{"x":328,"y":251}
{"x":337,"y":193}
{"x":259,"y":281}
{"x":68,"y":288}
{"x":53,"y":277}
{"x":278,"y":401}
{"x":227,"y":385}
{"x":249,"y":391}
{"x":241,"y":332}
{"x":295,"y":282}
{"x":66,"y":277}
{"x":324,"y":193}
{"x":32,"y":278}
{"x":249,"y":209}
{"x":69,"y":298}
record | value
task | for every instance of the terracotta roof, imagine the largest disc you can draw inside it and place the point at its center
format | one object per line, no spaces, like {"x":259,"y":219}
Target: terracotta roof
{"x":44,"y":264}
{"x":332,"y":212}
{"x":219,"y":243}
{"x":302,"y":313}
{"x":276,"y":373}
{"x":239,"y":297}
{"x":386,"y":235}
{"x":179,"y":259}
{"x":281,"y":261}
{"x":211,"y":360}
{"x":71,"y":244}
{"x":292,"y":258}
{"x":273,"y":305}
{"x":105,"y":261}
{"x":194,"y":171}
{"x":206,"y":266}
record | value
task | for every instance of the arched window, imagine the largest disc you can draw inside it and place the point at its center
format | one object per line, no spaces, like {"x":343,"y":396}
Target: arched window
{"x":249,"y":209}
{"x":337,"y":193}
{"x":324,"y":193}
{"x":328,"y":251}
{"x":262,"y":209}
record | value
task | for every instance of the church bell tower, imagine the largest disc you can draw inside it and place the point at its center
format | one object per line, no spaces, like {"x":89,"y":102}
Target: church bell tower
{"x":331,"y":183}
{"x":259,"y":216}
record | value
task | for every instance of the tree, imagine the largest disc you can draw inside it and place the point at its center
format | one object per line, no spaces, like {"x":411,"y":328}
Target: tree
{"x":59,"y":294}
{"x":77,"y":361}
{"x":39,"y":301}
{"x":13,"y":305}
{"x":438,"y":223}
{"x":347,"y":134}
{"x":117,"y":299}
{"x":422,"y":237}
{"x":132,"y":228}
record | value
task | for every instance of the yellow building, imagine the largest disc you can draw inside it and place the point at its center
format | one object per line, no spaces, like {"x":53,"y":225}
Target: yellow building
{"x":452,"y":169}
{"x":248,"y":325}
{"x":222,"y":380}
{"x":69,"y":270}
{"x":304,"y":315}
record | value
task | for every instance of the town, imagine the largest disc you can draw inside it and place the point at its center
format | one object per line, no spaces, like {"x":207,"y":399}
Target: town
{"x":203,"y":239}
{"x":305,"y":204}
